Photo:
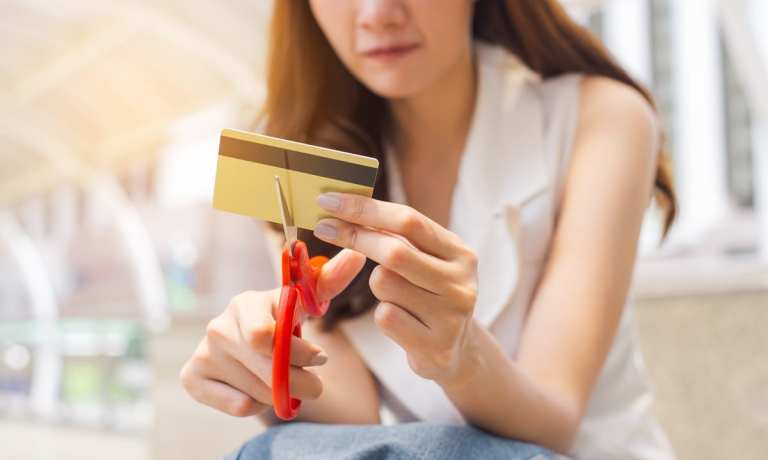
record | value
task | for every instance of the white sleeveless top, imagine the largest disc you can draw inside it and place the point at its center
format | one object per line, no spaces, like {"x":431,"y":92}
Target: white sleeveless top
{"x":505,"y":207}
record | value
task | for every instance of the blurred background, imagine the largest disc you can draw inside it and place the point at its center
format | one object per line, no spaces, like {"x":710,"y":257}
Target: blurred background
{"x":112,"y":260}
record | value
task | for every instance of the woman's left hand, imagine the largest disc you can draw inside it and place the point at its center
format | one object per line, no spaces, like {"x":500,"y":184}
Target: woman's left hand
{"x":426,"y":279}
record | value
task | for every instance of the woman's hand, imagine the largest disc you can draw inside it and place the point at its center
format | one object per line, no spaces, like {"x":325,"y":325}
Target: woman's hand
{"x":426,"y":280}
{"x":231,"y":369}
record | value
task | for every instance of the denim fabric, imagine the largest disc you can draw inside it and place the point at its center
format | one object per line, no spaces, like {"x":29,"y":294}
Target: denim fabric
{"x":406,"y":441}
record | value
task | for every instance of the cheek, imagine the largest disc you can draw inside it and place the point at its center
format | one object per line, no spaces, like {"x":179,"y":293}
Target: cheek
{"x":447,"y":34}
{"x":336,"y":20}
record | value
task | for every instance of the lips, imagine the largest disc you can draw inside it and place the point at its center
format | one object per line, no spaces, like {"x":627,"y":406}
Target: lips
{"x":390,"y":51}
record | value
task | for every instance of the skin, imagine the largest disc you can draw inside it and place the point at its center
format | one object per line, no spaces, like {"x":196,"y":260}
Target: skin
{"x":426,"y":280}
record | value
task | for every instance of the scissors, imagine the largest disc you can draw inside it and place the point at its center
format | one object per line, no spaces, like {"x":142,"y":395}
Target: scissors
{"x":299,"y":274}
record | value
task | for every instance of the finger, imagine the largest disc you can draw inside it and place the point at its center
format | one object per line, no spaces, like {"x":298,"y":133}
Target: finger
{"x":223,"y":397}
{"x":252,"y":313}
{"x":256,"y":356}
{"x":304,"y":384}
{"x":228,"y":370}
{"x":303,"y":353}
{"x":417,"y":267}
{"x":254,"y":326}
{"x":388,"y":286}
{"x":420,"y":230}
{"x":338,"y":272}
{"x":255,"y":374}
{"x":400,"y":326}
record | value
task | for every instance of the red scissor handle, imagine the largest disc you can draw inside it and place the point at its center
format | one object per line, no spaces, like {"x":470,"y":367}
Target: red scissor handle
{"x":285,"y":407}
{"x":300,"y":275}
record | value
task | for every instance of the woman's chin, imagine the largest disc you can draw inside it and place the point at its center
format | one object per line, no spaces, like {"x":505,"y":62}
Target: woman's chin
{"x":395,"y":87}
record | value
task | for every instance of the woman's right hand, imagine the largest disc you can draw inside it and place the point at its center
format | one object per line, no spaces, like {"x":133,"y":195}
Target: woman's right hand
{"x":231,"y":369}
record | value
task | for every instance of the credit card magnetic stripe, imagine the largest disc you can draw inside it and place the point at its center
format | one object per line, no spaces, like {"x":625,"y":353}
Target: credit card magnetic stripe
{"x":298,"y":161}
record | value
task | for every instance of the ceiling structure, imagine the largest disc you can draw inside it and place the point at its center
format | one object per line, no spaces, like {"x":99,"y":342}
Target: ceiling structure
{"x":89,"y":85}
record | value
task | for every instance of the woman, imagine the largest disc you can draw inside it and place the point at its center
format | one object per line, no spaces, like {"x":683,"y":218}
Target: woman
{"x":517,"y":162}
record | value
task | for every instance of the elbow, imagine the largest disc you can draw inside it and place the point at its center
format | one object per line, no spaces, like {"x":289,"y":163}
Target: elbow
{"x":556,"y":431}
{"x":371,"y":420}
{"x":359,"y":417}
{"x":565,"y":426}
{"x":565,"y":436}
{"x":554,"y":428}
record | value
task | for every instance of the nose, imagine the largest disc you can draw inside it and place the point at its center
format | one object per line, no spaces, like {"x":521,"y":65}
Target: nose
{"x":379,"y":15}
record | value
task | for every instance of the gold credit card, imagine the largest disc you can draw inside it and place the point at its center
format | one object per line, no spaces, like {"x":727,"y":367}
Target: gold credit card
{"x":248,"y":163}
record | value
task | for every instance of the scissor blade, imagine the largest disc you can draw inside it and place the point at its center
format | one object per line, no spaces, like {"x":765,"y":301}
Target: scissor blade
{"x":289,"y":229}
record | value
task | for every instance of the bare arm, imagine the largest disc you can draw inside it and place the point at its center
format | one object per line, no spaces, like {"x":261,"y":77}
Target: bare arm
{"x":542,"y":396}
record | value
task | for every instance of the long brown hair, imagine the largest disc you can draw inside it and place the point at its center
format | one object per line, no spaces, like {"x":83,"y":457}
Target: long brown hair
{"x":312,"y":97}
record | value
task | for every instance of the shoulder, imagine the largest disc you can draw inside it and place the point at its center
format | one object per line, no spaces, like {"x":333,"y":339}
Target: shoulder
{"x":596,"y":101}
{"x":597,"y":120}
{"x":617,"y":134}
{"x":605,"y":135}
{"x":612,"y":108}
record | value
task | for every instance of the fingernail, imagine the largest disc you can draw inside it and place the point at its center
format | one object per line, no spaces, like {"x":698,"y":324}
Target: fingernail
{"x":329,"y":201}
{"x":319,"y":359}
{"x":325,"y":229}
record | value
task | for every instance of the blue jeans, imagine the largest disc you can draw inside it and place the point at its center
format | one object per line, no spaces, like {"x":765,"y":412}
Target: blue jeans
{"x":406,"y":441}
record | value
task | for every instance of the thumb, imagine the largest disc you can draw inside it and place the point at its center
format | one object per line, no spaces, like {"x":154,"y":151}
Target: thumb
{"x":338,"y":272}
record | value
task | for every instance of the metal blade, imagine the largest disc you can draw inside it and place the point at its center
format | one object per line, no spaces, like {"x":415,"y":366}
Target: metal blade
{"x":289,"y":229}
